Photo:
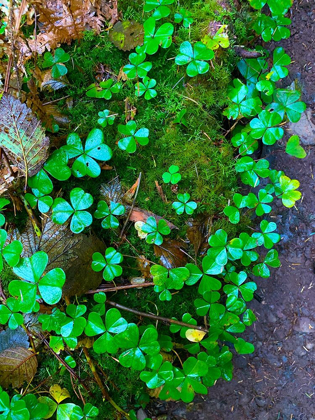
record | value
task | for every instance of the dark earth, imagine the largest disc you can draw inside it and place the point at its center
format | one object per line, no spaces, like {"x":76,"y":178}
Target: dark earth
{"x":277,"y":382}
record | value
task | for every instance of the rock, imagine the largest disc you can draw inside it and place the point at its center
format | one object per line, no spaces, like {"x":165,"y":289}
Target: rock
{"x":300,"y":352}
{"x":271,"y":317}
{"x":260,"y":402}
{"x":305,"y":128}
{"x":141,"y":415}
{"x":304,"y":325}
{"x":309,"y":345}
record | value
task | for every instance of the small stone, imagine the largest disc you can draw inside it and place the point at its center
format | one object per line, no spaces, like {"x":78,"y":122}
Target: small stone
{"x":300,"y":352}
{"x":141,"y":415}
{"x":271,"y":317}
{"x":305,"y":128}
{"x":309,"y":345}
{"x":260,"y":402}
{"x":304,"y":325}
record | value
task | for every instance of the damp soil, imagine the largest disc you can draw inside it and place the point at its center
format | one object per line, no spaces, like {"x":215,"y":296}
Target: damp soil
{"x":277,"y":382}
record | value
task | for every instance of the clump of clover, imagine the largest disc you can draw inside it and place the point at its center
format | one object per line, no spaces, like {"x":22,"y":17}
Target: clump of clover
{"x":222,"y":275}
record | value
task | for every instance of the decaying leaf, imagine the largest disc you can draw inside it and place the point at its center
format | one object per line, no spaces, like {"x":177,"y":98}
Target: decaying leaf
{"x":17,"y":365}
{"x":58,"y":393}
{"x":140,"y":215}
{"x":144,"y":266}
{"x":6,"y":177}
{"x":198,"y":231}
{"x":109,"y":8}
{"x":171,"y":253}
{"x":72,"y":253}
{"x":22,"y":136}
{"x":13,"y":338}
{"x":112,"y":191}
{"x":62,"y":21}
{"x":195,"y":336}
{"x":128,"y":196}
{"x":127,"y":35}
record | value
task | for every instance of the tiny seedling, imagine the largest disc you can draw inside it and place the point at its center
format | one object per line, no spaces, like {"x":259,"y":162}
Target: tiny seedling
{"x":172,"y":176}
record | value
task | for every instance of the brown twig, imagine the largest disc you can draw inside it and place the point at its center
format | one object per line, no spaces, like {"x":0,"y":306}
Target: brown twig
{"x":156,"y":317}
{"x":65,"y":364}
{"x":117,"y":288}
{"x":99,"y":382}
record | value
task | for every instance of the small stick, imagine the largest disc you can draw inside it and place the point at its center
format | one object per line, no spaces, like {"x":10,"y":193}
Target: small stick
{"x":159,"y":318}
{"x":65,"y":364}
{"x":105,"y":394}
{"x":117,"y":288}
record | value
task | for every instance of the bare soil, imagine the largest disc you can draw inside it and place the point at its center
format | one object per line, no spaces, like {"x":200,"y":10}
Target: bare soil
{"x":277,"y":382}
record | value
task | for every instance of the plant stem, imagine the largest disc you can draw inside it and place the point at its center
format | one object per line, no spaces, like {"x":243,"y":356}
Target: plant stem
{"x":105,"y":394}
{"x":156,"y":317}
{"x":117,"y":288}
{"x":65,"y":364}
{"x":31,"y":216}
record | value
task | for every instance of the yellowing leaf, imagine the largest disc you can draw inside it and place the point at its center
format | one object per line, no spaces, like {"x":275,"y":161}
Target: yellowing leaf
{"x":195,"y":335}
{"x":58,"y":393}
{"x":138,"y":226}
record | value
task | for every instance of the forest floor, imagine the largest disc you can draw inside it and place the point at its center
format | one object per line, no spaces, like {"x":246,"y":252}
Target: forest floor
{"x":277,"y":382}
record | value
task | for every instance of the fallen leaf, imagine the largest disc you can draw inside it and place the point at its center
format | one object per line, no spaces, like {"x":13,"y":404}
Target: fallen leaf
{"x":17,"y":365}
{"x":22,"y":136}
{"x":13,"y":338}
{"x":198,"y":231}
{"x":109,"y":8}
{"x":195,"y":336}
{"x":144,"y":266}
{"x":62,"y":21}
{"x":112,"y":191}
{"x":127,"y":35}
{"x":160,"y":191}
{"x":171,"y":253}
{"x":141,"y":215}
{"x":58,"y":393}
{"x":128,"y":196}
{"x":65,"y":250}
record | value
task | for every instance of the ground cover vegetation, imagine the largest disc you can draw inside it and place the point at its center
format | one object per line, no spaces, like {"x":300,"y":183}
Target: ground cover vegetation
{"x":129,"y":253}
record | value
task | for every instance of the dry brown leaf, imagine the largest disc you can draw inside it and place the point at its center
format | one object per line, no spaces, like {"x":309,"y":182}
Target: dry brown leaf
{"x":198,"y":231}
{"x":144,"y":266}
{"x":128,"y":196}
{"x":62,"y":21}
{"x":17,"y":365}
{"x":22,"y":136}
{"x":160,"y":191}
{"x":140,"y":215}
{"x":109,"y":8}
{"x":171,"y":253}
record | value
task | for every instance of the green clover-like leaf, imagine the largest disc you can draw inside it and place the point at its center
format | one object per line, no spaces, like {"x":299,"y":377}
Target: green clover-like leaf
{"x":109,"y":263}
{"x":132,"y":136}
{"x":80,"y":219}
{"x":155,"y":230}
{"x":184,"y":205}
{"x":195,"y":56}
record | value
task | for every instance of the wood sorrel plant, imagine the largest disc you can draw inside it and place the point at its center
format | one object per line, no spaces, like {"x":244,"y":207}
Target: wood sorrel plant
{"x":222,"y":274}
